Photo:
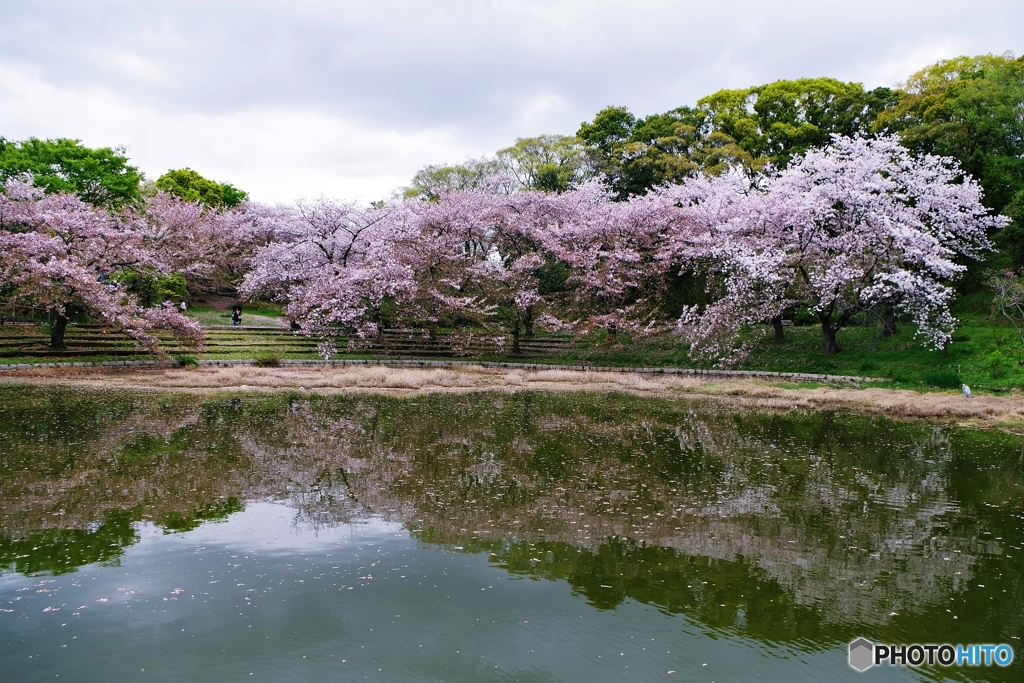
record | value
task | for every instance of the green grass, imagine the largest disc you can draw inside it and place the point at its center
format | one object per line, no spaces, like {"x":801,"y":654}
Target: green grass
{"x":985,"y":354}
{"x":259,"y":315}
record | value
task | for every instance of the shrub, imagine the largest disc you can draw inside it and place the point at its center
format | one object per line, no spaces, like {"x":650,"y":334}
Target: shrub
{"x":805,"y":316}
{"x":270,"y":359}
{"x":997,"y":364}
{"x":186,"y":361}
{"x":943,"y":379}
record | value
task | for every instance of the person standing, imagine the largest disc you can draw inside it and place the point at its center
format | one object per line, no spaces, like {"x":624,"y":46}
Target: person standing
{"x":236,"y":315}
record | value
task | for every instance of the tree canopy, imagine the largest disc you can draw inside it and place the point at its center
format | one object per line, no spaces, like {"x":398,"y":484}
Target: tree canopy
{"x":430,"y":182}
{"x":749,"y":128}
{"x":192,"y":187}
{"x":102,"y":176}
{"x":550,"y":163}
{"x":778,"y":121}
{"x":971,"y":109}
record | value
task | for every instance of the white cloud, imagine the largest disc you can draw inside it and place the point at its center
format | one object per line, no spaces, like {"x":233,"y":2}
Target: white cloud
{"x":896,"y":69}
{"x":350,"y":97}
{"x":136,"y":66}
{"x":276,"y":154}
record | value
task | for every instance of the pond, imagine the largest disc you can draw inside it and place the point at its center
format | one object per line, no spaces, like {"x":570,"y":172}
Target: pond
{"x":493,"y":537}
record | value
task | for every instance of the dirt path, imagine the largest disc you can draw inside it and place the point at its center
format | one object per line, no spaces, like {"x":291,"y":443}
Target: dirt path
{"x":949,"y":407}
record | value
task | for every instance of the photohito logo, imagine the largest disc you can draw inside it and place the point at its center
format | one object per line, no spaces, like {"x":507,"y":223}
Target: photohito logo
{"x":864,"y":654}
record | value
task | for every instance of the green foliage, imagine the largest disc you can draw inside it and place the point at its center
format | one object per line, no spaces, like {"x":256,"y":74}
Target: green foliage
{"x":99,"y":176}
{"x":152,"y":288}
{"x":943,"y":379}
{"x":550,"y":163}
{"x":61,"y":551}
{"x":186,"y":361}
{"x":969,"y":108}
{"x":1010,"y":240}
{"x":192,"y":187}
{"x":997,"y":364}
{"x":612,"y":127}
{"x":749,"y":128}
{"x":207,"y":512}
{"x":780,"y":120}
{"x":636,"y":155}
{"x":553,"y":277}
{"x":432,"y":181}
{"x":268,"y":359}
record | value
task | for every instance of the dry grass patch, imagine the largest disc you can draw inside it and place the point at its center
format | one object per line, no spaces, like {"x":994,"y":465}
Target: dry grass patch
{"x":982,"y":410}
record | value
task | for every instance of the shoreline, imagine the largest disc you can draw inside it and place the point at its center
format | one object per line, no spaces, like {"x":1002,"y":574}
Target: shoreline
{"x":981,"y":411}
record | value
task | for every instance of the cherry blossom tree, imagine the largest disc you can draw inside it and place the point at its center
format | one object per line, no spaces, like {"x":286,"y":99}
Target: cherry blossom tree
{"x":843,"y":230}
{"x":479,"y":260}
{"x":207,"y":246}
{"x":336,"y":264}
{"x":614,"y":251}
{"x":857,"y":227}
{"x":60,"y":254}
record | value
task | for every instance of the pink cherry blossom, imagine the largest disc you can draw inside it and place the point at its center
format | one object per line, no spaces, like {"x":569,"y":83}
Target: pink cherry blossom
{"x":846,"y":229}
{"x":58,"y":254}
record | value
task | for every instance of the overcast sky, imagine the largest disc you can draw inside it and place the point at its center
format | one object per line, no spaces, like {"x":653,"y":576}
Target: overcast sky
{"x":349,"y":99}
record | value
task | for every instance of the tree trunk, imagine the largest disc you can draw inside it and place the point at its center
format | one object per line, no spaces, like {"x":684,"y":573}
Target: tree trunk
{"x":889,"y":321}
{"x":780,"y":334}
{"x":831,"y":348}
{"x":529,"y":322}
{"x":515,"y":339}
{"x":613,"y":334}
{"x":58,"y":326}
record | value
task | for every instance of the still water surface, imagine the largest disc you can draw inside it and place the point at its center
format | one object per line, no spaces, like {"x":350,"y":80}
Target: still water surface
{"x":492,"y":537}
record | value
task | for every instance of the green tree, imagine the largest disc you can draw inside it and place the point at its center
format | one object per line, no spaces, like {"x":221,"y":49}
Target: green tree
{"x":432,"y":181}
{"x":748,"y":128}
{"x":1011,"y":238}
{"x":151,"y":287}
{"x":972,"y":109}
{"x":638,"y":154}
{"x":550,"y":163}
{"x":192,"y":187}
{"x":102,"y":176}
{"x":780,"y":120}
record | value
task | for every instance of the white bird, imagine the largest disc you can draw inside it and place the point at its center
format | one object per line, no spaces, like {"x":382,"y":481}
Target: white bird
{"x":966,"y":389}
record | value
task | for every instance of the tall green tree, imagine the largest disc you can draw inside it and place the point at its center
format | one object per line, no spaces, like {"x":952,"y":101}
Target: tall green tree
{"x":972,"y":109}
{"x":638,"y":154}
{"x":748,"y":128}
{"x":430,"y":182}
{"x":780,"y":120}
{"x":100,"y":176}
{"x":550,"y":163}
{"x":192,"y":187}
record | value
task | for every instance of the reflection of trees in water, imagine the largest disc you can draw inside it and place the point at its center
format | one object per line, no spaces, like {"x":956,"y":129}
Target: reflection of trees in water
{"x":71,"y":457}
{"x":800,"y":498}
{"x":839,"y":520}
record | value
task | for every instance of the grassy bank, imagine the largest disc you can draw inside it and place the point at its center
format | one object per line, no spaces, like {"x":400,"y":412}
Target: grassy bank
{"x":984,"y":354}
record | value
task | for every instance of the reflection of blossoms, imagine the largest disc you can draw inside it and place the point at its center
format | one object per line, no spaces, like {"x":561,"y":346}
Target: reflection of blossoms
{"x":801,"y":498}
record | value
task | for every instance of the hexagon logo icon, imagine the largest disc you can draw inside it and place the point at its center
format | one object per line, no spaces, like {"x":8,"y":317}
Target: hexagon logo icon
{"x":862,"y":654}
